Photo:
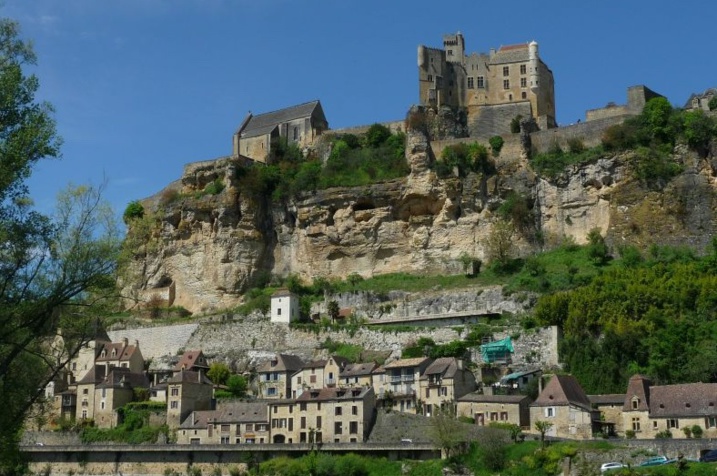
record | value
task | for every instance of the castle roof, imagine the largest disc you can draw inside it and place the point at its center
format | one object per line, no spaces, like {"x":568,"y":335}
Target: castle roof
{"x":262,"y":124}
{"x":510,"y":54}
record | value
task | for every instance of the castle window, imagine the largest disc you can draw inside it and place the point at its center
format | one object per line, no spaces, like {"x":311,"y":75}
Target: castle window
{"x":510,"y":97}
{"x":524,"y":95}
{"x":470,"y":83}
{"x":523,"y":83}
{"x":174,"y":404}
{"x":522,"y":69}
{"x":430,"y":77}
{"x":506,"y":84}
{"x":480,"y":82}
{"x":449,"y":52}
{"x":506,"y":71}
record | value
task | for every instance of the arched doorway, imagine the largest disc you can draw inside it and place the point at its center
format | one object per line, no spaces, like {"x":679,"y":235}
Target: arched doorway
{"x":279,"y":439}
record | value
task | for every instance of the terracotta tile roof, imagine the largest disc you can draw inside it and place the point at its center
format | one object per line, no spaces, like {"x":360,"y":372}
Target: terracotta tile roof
{"x":563,"y":390}
{"x":192,"y":360}
{"x":510,"y":54}
{"x":683,"y":400}
{"x":513,"y":47}
{"x":401,"y":363}
{"x":121,"y":352}
{"x":480,"y":398}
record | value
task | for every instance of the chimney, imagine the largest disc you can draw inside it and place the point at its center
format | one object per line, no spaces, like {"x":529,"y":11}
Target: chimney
{"x":125,"y":341}
{"x":136,"y":343}
{"x":199,"y":376}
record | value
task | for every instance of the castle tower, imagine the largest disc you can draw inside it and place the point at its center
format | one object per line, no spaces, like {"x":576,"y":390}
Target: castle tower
{"x":455,"y":47}
{"x":533,"y":65}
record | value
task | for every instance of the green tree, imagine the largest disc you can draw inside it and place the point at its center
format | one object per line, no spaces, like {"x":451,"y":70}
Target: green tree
{"x":597,"y":248}
{"x":333,"y":310}
{"x":543,"y":427}
{"x":219,"y":373}
{"x":447,"y":432}
{"x":134,"y":210}
{"x":55,"y":271}
{"x":237,"y":385}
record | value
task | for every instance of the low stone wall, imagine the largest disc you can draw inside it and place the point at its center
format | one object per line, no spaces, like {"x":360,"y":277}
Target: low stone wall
{"x":590,"y":133}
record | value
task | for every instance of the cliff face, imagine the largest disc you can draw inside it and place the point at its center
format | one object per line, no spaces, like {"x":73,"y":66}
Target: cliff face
{"x":209,"y":249}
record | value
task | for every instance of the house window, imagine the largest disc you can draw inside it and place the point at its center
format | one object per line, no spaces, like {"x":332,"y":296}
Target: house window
{"x":102,"y":405}
{"x":635,"y":424}
{"x":430,"y":77}
{"x":312,"y":378}
{"x":444,"y":391}
{"x":225,"y":429}
{"x":506,"y":71}
{"x":250,"y":427}
{"x":224,"y":440}
{"x":318,"y":423}
{"x":302,"y":407}
{"x":523,"y":83}
{"x":654,"y":424}
{"x":550,"y":412}
{"x":428,"y":393}
{"x":337,"y":411}
{"x":480,"y":82}
{"x":291,"y":408}
{"x":271,"y":391}
{"x":84,"y":391}
{"x":278,"y":312}
{"x":493,"y":416}
{"x":174,"y":392}
{"x":84,"y":414}
{"x":104,"y":392}
{"x":354,"y":410}
{"x":635,"y":403}
{"x":506,"y":84}
{"x":524,"y":95}
{"x":471,"y":83}
{"x":303,"y":422}
{"x":174,"y":404}
{"x":338,"y":428}
{"x":353,"y":427}
{"x":296,"y":133}
{"x":523,"y":69}
{"x":673,"y":423}
{"x":504,"y":416}
{"x":710,"y":422}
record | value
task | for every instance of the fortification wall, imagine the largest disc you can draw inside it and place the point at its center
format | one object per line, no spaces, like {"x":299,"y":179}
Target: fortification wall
{"x":157,"y":341}
{"x":393,"y":126}
{"x":590,"y":133}
{"x":510,"y":152}
{"x":487,"y":121}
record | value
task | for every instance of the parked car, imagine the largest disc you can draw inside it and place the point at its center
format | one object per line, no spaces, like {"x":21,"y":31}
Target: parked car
{"x":654,"y":461}
{"x":610,"y":466}
{"x":709,"y":456}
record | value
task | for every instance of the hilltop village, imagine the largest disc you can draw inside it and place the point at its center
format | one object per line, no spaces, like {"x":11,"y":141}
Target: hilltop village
{"x":286,"y":399}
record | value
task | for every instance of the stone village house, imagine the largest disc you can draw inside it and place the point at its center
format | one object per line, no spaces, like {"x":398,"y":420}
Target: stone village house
{"x":563,"y":403}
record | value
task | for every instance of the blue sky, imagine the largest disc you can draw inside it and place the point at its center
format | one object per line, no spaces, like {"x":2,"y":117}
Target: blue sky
{"x":142,"y":87}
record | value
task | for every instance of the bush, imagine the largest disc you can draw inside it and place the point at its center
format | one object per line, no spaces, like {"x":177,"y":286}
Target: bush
{"x":133,"y":211}
{"x":697,"y":431}
{"x":496,"y":144}
{"x":214,"y":188}
{"x":712,"y":104}
{"x":515,"y":124}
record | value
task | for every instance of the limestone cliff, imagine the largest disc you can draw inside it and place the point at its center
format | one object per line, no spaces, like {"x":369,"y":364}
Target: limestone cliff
{"x":206,"y":249}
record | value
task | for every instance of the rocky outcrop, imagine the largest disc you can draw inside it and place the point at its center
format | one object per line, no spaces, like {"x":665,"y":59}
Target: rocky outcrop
{"x":209,"y":248}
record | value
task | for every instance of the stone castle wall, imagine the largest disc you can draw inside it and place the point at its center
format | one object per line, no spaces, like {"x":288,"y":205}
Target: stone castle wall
{"x":590,"y":133}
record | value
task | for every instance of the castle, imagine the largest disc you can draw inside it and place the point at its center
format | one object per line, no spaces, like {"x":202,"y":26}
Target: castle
{"x":494,"y":88}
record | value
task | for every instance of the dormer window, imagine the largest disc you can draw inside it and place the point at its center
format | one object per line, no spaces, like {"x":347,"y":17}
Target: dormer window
{"x":635,"y":403}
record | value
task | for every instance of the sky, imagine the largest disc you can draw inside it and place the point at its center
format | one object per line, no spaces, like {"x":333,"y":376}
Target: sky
{"x":142,"y":87}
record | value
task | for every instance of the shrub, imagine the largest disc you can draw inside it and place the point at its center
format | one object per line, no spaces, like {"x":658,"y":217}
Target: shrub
{"x":496,"y":144}
{"x":696,"y":431}
{"x":377,"y":135}
{"x":664,"y":434}
{"x":630,"y":434}
{"x":712,"y":104}
{"x":515,"y":124}
{"x":214,"y":188}
{"x":575,"y":145}
{"x":133,"y":211}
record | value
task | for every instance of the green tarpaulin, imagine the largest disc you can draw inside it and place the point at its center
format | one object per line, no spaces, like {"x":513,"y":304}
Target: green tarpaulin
{"x":498,"y":350}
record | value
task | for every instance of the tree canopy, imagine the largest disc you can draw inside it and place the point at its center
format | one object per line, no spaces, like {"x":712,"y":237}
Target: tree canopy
{"x":54,"y":270}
